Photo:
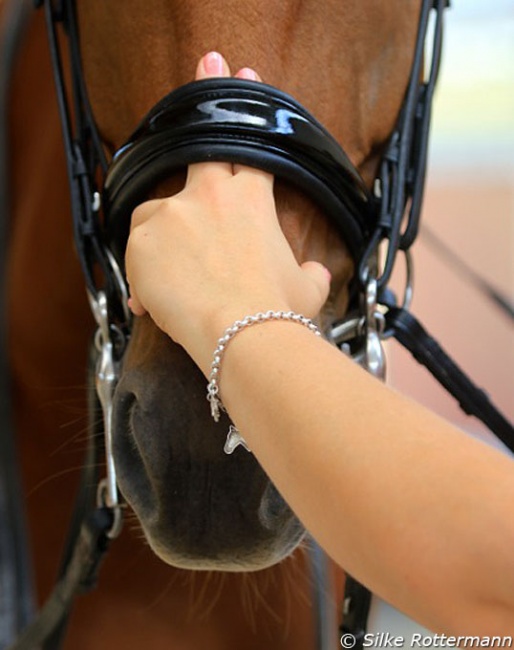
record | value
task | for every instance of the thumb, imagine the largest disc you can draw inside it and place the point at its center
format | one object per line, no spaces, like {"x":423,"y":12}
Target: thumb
{"x":320,"y":277}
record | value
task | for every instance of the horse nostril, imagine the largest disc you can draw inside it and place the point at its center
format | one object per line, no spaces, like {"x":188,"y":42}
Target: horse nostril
{"x":272,"y":508}
{"x":127,"y":455}
{"x":124,"y":404}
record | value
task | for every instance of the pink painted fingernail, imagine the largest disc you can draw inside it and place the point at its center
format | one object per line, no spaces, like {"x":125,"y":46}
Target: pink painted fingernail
{"x":247,"y":73}
{"x":213,"y":64}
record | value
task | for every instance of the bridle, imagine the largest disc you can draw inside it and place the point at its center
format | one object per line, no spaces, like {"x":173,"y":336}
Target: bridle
{"x":254,"y":124}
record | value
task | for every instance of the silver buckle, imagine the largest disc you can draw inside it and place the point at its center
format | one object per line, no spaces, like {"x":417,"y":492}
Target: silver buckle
{"x":106,"y":379}
{"x":368,"y":325}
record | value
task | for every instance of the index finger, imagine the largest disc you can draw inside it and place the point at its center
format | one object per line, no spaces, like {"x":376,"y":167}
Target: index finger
{"x":207,"y":172}
{"x":211,"y":65}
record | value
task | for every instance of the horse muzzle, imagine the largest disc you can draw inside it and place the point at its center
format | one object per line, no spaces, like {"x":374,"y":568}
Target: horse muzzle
{"x":198,"y":507}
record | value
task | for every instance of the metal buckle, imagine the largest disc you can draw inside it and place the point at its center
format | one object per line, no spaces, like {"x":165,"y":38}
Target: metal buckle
{"x":374,"y":324}
{"x":360,"y":335}
{"x":106,"y":380}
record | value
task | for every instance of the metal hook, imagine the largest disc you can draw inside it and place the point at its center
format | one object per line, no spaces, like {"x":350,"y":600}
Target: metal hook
{"x":374,"y":358}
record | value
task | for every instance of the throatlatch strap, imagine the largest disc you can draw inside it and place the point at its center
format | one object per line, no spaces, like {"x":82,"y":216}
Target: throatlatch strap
{"x":427,"y":351}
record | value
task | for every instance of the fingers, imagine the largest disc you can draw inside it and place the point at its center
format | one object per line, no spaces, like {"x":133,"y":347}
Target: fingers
{"x":144,"y":211}
{"x":251,"y":75}
{"x":135,"y":306}
{"x":247,"y":73}
{"x":211,"y":65}
{"x":141,"y":215}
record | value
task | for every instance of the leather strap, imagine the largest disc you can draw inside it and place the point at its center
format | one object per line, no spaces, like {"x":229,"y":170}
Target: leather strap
{"x":16,"y":588}
{"x":87,"y":542}
{"x":357,"y":603}
{"x":80,"y":576}
{"x":427,"y":351}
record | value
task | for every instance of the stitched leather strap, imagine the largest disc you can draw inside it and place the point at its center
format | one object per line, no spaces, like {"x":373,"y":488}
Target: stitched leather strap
{"x":427,"y":351}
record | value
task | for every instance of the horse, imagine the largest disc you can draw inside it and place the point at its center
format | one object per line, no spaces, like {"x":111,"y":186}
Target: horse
{"x":208,"y":558}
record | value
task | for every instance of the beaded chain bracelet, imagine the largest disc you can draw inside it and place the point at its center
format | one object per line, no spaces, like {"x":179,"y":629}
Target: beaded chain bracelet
{"x":234,"y":438}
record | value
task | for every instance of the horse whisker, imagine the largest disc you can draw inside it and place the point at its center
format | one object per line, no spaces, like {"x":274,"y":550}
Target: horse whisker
{"x":56,"y":475}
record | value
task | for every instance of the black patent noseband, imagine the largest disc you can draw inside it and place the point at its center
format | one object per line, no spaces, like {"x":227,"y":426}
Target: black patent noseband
{"x":244,"y":122}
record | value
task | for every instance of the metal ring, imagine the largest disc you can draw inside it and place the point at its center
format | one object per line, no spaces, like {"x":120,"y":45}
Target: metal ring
{"x":345,"y":330}
{"x":121,"y":285}
{"x":117,"y":514}
{"x":408,"y":292}
{"x":409,"y":281}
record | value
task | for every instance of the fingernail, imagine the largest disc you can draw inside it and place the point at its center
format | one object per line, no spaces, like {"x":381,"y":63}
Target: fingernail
{"x":213,"y":63}
{"x":247,"y":73}
{"x":130,"y":305}
{"x":328,"y":274}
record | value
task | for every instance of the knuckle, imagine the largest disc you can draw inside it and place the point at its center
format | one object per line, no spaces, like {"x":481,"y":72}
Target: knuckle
{"x":137,"y":240}
{"x":143,"y":212}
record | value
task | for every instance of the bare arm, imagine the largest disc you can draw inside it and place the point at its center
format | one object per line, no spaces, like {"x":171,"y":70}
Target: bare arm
{"x":415,"y":509}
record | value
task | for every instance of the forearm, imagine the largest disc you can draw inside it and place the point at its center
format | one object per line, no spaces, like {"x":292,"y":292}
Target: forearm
{"x":367,"y":472}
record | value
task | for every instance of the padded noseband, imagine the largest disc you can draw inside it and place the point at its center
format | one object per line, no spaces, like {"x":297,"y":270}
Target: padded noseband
{"x":237,"y":121}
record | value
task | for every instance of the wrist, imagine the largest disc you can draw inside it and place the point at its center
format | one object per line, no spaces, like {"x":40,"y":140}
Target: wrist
{"x":215,"y":327}
{"x":239,"y":326}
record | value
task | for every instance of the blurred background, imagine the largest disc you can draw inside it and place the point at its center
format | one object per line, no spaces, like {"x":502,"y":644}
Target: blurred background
{"x":469,"y":204}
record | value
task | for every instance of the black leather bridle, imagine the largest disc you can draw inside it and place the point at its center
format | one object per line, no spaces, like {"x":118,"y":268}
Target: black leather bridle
{"x":255,"y":124}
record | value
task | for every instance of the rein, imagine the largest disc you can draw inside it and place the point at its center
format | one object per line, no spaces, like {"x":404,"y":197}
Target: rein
{"x":16,"y":588}
{"x":253,"y":124}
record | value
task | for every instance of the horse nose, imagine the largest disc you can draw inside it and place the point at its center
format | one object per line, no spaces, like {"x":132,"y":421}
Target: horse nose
{"x":198,"y":507}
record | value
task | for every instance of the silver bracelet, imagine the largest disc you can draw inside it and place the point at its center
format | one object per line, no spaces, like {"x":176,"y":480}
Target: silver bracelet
{"x":234,"y":438}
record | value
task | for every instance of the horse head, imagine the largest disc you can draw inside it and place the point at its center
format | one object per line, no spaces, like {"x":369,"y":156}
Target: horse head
{"x":348,"y":63}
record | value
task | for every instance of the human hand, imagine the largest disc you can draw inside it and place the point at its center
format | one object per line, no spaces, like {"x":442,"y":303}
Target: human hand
{"x":215,"y":252}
